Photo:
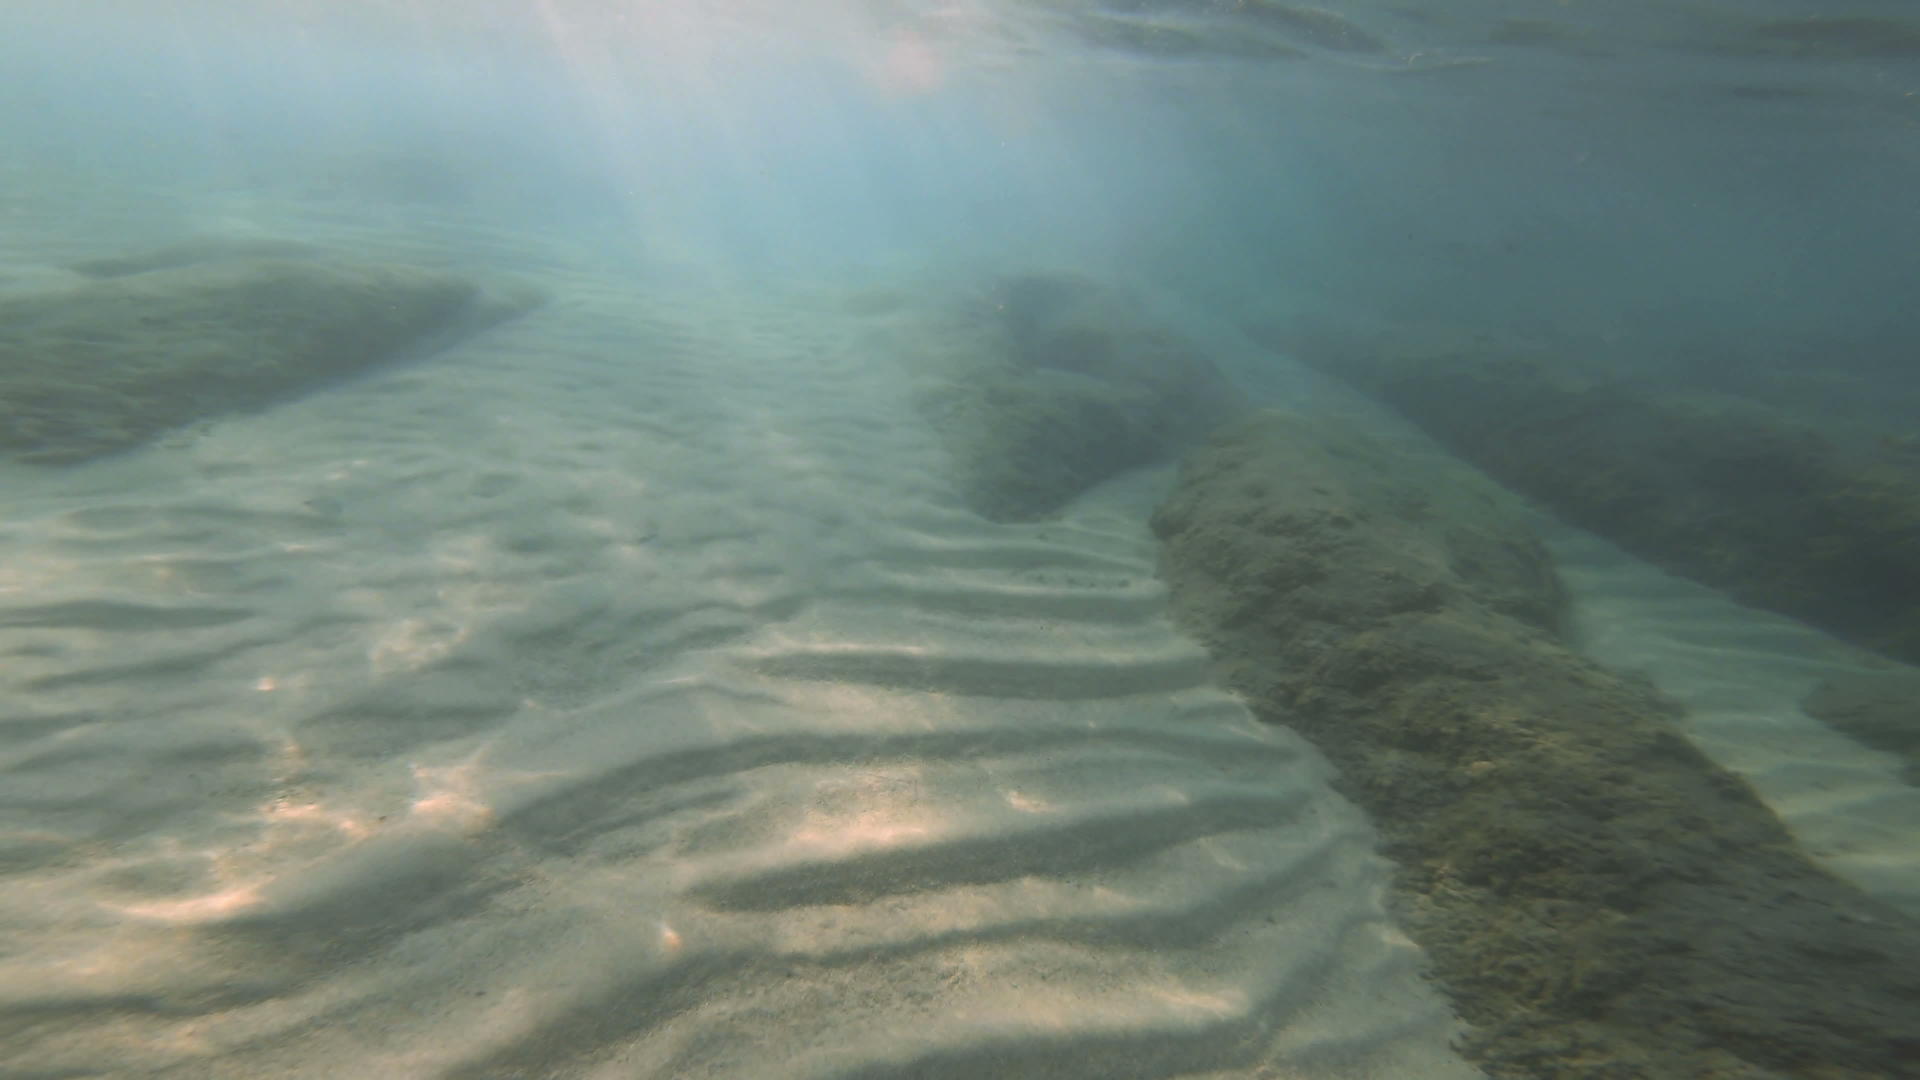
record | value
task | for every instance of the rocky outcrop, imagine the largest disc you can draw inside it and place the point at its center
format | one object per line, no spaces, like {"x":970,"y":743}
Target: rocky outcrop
{"x":198,"y":250}
{"x":163,"y":339}
{"x":1716,"y":488}
{"x":1065,"y":384}
{"x":1880,"y":709}
{"x":1599,"y":899}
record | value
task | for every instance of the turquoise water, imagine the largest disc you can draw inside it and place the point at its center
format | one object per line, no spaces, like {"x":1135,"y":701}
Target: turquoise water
{"x":1655,"y":172}
{"x":574,"y":538}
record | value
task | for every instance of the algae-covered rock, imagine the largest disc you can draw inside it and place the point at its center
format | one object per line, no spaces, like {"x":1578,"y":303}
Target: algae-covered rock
{"x":192,"y":251}
{"x":1837,"y":36}
{"x":1721,"y":489}
{"x":1599,"y":899}
{"x":1881,"y":709}
{"x":179,"y":336}
{"x":1067,"y":385}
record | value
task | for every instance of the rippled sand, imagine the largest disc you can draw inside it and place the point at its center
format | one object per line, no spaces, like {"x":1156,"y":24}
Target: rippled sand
{"x":625,"y":693}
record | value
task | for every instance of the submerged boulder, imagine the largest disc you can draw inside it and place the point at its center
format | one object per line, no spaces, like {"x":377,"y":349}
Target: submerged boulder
{"x":159,"y":341}
{"x":1066,"y":385}
{"x":1721,"y":489}
{"x":1598,"y":898}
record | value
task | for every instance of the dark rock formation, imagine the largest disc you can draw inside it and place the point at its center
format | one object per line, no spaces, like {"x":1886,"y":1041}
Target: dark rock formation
{"x":1600,"y":900}
{"x":1817,"y":37}
{"x":1720,"y":489}
{"x":190,"y":252}
{"x":1880,"y":709}
{"x":180,"y":335}
{"x":1069,"y":385}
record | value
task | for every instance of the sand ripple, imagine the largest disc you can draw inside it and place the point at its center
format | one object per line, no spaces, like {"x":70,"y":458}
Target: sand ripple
{"x":626,"y":695}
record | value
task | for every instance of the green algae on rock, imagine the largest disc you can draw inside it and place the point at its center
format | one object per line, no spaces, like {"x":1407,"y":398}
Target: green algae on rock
{"x":163,"y":341}
{"x":1714,"y":487}
{"x":1599,"y":899}
{"x":1066,"y":385}
{"x":1878,"y":708}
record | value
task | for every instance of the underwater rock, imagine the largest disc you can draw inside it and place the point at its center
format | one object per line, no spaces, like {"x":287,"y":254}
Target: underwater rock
{"x":1599,"y":899}
{"x":1819,"y":37}
{"x":105,"y":365}
{"x":1069,"y":386}
{"x":189,"y":252}
{"x":1880,"y":709}
{"x":1717,"y":488}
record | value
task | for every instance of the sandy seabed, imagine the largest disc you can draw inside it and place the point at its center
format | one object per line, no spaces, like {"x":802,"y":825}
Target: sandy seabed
{"x":626,"y":693}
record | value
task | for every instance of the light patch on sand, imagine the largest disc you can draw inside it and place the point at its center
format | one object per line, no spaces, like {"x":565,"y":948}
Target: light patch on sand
{"x":1029,"y":804}
{"x":461,"y":555}
{"x":456,"y":796}
{"x":1186,"y":999}
{"x":1216,"y":851}
{"x":448,"y":797}
{"x":163,"y":573}
{"x":26,"y":572}
{"x":285,"y":811}
{"x":194,"y":910}
{"x":858,"y":707}
{"x":1171,"y":795}
{"x":873,"y":811}
{"x":833,"y":835}
{"x":291,"y":831}
{"x":411,"y":644}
